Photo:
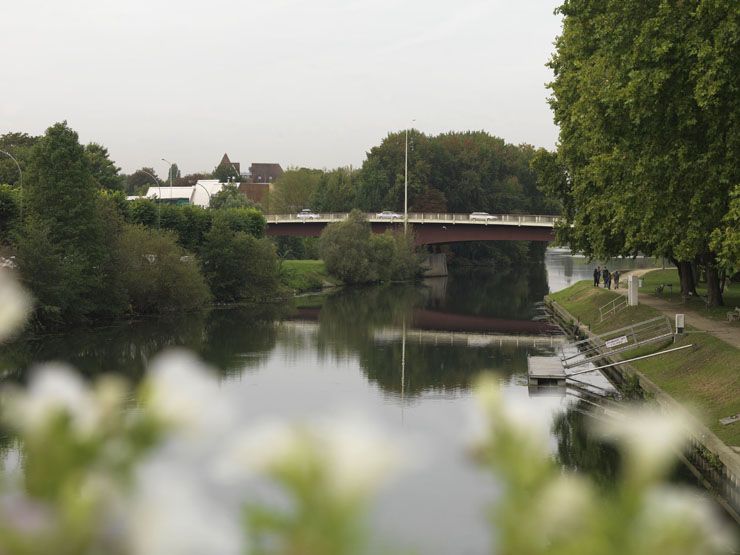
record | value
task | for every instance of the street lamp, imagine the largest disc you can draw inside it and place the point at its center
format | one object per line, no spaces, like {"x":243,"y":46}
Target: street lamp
{"x":406,"y":185}
{"x":206,"y":190}
{"x":170,"y":170}
{"x":20,"y":173}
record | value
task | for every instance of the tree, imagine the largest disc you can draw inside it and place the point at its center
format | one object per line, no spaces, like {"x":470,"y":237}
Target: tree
{"x":9,"y":212}
{"x":19,"y":146}
{"x":138,"y":182}
{"x":726,"y":238}
{"x":225,"y":173}
{"x":230,"y":197}
{"x":247,"y":220}
{"x":646,"y":97}
{"x":294,"y":190}
{"x":345,"y":249}
{"x":104,"y":170}
{"x":157,"y":274}
{"x":335,"y":191}
{"x":237,"y":265}
{"x":60,"y":193}
{"x":173,"y":173}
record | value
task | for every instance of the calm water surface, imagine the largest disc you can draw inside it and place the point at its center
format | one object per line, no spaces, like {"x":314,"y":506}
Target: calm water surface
{"x":345,"y":354}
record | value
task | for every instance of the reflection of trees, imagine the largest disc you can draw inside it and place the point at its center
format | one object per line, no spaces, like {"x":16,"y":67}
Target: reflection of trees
{"x":436,"y":367}
{"x":218,"y":336}
{"x":506,"y":295}
{"x":579,"y":450}
{"x":233,"y":333}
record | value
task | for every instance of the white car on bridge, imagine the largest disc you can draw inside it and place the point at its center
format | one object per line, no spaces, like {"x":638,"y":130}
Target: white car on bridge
{"x":388,"y":215}
{"x":483,"y":216}
{"x":307,"y":214}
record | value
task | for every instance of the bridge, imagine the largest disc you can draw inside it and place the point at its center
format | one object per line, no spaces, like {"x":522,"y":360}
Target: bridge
{"x":429,"y":228}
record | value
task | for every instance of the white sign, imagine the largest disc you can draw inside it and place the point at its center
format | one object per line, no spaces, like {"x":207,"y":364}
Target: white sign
{"x":680,"y":323}
{"x":616,"y":341}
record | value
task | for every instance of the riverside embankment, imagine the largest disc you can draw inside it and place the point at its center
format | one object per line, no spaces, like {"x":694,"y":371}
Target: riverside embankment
{"x":702,"y":382}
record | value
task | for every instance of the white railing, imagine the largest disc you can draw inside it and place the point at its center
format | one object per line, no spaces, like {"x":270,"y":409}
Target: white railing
{"x":424,"y":217}
{"x":612,"y":307}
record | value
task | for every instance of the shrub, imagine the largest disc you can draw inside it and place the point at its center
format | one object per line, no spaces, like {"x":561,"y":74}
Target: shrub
{"x":247,"y":220}
{"x":143,"y":211}
{"x":157,"y":273}
{"x":237,"y":265}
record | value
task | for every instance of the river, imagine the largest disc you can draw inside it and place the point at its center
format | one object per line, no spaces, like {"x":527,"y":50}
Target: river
{"x":400,"y":356}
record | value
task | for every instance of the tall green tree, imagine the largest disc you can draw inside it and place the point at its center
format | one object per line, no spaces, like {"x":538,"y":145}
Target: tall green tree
{"x":138,"y":182}
{"x":647,"y":97}
{"x":104,"y":170}
{"x":65,"y":211}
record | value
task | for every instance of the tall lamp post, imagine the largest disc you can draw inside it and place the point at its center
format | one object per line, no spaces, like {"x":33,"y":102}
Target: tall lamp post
{"x":406,"y":185}
{"x":20,"y":174}
{"x":170,"y":170}
{"x":159,"y":186}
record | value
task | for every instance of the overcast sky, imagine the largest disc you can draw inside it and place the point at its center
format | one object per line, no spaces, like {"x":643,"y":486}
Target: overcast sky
{"x":300,"y":82}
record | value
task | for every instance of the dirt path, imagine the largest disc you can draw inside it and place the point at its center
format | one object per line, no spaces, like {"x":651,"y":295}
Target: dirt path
{"x":717,"y":328}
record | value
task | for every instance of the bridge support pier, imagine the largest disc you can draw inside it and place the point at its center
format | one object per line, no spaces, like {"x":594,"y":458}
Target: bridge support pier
{"x":434,"y":265}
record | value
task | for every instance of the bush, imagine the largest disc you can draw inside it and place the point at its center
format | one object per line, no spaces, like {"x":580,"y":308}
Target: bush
{"x":353,"y":254}
{"x":237,"y":265}
{"x":144,"y":212}
{"x":157,"y":273}
{"x":247,"y":220}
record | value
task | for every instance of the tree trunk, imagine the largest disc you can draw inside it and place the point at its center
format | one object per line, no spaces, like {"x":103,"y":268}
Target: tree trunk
{"x":714,"y":293}
{"x":686,"y":275}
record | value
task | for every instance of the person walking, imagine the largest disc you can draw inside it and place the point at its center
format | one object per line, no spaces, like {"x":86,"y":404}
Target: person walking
{"x":607,"y":278}
{"x":597,"y":275}
{"x":615,"y":275}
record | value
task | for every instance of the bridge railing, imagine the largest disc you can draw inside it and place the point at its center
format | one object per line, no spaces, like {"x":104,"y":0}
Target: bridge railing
{"x":492,"y":219}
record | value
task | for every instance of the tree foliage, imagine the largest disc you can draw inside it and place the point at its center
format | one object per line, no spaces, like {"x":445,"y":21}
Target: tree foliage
{"x":647,"y":97}
{"x":237,"y":265}
{"x":294,"y":190}
{"x":19,"y":146}
{"x":230,"y":197}
{"x":138,"y":182}
{"x":157,"y":274}
{"x":354,"y":254}
{"x":104,"y":170}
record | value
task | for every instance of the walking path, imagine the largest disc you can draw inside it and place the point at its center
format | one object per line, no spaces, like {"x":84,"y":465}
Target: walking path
{"x":720,"y":330}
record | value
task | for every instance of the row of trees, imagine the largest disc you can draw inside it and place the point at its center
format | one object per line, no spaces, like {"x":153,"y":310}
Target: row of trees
{"x":85,"y":252}
{"x":647,"y":97}
{"x":450,"y":172}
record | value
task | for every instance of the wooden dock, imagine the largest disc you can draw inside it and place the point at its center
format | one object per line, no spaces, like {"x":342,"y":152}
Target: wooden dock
{"x":545,"y":371}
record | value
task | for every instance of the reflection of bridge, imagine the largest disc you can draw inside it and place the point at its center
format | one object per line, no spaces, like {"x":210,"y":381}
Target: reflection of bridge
{"x":429,"y":324}
{"x":429,"y":228}
{"x":466,"y":338}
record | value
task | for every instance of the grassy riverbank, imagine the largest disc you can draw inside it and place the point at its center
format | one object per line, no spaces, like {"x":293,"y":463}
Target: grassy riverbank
{"x":653,"y":280}
{"x":705,"y":377}
{"x":305,"y":275}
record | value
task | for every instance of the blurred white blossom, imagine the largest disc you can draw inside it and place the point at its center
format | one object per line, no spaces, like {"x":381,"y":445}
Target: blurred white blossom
{"x":683,"y":519}
{"x":356,"y":458}
{"x":15,"y":304}
{"x":54,"y":390}
{"x":563,"y":506}
{"x":183,"y":393}
{"x":650,"y":439}
{"x":172,"y":512}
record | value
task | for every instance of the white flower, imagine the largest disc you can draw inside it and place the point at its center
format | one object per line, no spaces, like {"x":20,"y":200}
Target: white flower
{"x":514,"y":415}
{"x":54,"y":390}
{"x":172,"y":512}
{"x":682,"y":521}
{"x":183,"y":393}
{"x":651,"y":439}
{"x":355,"y":458}
{"x":563,"y":506}
{"x":15,"y":305}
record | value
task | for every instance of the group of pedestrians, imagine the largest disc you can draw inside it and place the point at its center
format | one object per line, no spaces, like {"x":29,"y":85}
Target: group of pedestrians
{"x":607,"y":277}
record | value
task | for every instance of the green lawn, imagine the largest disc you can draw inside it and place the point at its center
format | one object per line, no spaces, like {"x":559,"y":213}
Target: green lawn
{"x":705,"y":378}
{"x":305,"y":275}
{"x":731,"y":295}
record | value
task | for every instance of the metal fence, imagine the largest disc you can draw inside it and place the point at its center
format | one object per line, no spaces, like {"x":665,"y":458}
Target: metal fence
{"x":423,"y":217}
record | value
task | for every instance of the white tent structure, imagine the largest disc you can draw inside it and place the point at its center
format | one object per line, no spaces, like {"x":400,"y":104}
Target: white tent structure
{"x":200,"y":194}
